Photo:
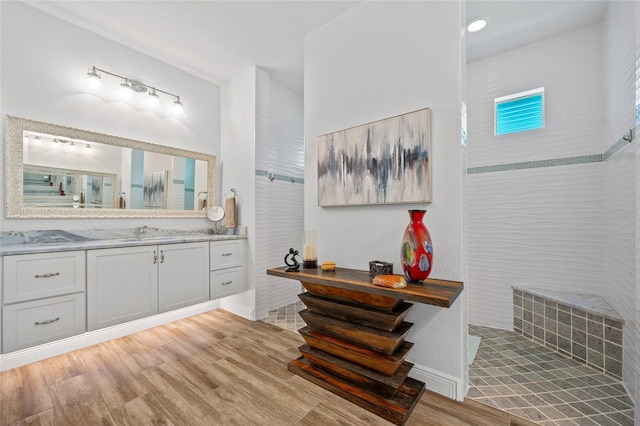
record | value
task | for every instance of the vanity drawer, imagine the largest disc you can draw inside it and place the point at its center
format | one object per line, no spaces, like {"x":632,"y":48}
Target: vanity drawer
{"x":34,"y":276}
{"x":226,"y":282}
{"x":32,"y":323}
{"x":226,"y":254}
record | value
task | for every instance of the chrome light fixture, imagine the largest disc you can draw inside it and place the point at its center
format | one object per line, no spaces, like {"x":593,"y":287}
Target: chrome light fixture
{"x":95,"y":74}
{"x":177,"y":106}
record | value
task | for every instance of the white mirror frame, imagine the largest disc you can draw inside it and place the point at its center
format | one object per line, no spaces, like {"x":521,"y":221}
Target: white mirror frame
{"x":13,"y":175}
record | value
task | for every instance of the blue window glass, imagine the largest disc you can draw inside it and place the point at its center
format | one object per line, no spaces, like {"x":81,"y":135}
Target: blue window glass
{"x":520,"y":112}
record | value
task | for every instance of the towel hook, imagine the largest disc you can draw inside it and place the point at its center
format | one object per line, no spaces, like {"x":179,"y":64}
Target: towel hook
{"x":234,"y":191}
{"x":629,"y":136}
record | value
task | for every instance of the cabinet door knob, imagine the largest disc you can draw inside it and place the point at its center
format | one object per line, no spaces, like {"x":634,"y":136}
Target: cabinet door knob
{"x":48,"y":275}
{"x":46,"y":322}
{"x":155,"y":257}
{"x":161,"y":256}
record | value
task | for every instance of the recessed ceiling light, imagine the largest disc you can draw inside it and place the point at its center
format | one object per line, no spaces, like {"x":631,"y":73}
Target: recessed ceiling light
{"x":477,"y":24}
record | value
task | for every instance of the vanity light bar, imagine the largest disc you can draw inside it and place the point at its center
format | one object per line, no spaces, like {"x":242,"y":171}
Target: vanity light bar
{"x":70,"y":142}
{"x":136,"y":86}
{"x":37,"y":138}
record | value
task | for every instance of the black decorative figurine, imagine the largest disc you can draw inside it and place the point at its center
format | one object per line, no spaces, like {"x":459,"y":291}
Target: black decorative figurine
{"x":294,"y":266}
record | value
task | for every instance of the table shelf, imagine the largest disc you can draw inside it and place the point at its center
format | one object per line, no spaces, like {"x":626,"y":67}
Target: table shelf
{"x":355,"y":337}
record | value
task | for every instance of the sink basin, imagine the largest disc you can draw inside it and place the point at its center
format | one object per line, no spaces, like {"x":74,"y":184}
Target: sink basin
{"x":152,"y":237}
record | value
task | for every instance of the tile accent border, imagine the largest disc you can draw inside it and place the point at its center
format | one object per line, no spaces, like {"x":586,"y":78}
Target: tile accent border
{"x":536,"y":164}
{"x":616,"y":147}
{"x":283,"y":178}
{"x":566,"y":161}
{"x":589,"y":338}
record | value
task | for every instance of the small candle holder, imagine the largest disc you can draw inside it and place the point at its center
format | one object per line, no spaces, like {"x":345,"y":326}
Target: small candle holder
{"x":309,"y":250}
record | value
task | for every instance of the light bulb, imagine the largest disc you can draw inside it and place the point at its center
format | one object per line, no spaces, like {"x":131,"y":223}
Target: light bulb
{"x":94,"y":74}
{"x":125,"y":91}
{"x":177,"y":108}
{"x":93,"y":78}
{"x":154,"y":98}
{"x":477,"y":24}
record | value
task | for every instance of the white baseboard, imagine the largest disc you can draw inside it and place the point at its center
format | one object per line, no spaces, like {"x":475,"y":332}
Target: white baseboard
{"x":47,"y":350}
{"x":435,"y":381}
{"x":243,"y":311}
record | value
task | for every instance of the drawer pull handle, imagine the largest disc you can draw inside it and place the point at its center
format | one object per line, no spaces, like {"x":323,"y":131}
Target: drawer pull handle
{"x":49,"y":275}
{"x":227,"y":282}
{"x":227,"y":254}
{"x":155,"y":257}
{"x":161,"y":256}
{"x":46,"y":322}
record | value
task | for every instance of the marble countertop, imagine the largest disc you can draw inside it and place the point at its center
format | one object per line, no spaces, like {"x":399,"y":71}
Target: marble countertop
{"x":46,"y":241}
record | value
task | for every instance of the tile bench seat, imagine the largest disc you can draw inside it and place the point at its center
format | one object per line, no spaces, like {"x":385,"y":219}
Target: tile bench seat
{"x":583,"y":327}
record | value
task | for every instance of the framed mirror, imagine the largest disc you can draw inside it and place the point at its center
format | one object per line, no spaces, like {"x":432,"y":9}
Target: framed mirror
{"x":54,"y":171}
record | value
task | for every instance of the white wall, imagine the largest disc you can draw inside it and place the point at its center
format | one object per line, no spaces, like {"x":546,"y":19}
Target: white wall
{"x":44,"y":63}
{"x":238,"y":154}
{"x":619,"y":244}
{"x":262,"y":130}
{"x":537,"y":227}
{"x":280,"y":203}
{"x":378,"y":60}
{"x":635,"y":374}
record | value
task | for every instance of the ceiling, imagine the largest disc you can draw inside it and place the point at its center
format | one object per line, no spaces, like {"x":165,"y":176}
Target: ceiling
{"x":218,"y":40}
{"x":519,"y":22}
{"x":215,"y":40}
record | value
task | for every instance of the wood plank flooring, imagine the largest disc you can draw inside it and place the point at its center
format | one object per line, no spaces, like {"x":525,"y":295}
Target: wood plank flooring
{"x":210,"y":369}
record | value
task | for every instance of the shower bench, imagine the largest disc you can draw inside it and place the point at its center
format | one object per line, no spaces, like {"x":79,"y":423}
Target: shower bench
{"x":583,"y":327}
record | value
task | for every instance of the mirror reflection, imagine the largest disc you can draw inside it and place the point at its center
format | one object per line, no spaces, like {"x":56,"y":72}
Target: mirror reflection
{"x":81,"y":174}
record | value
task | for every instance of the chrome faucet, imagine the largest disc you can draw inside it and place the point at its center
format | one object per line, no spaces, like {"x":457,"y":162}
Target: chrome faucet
{"x":141,"y":230}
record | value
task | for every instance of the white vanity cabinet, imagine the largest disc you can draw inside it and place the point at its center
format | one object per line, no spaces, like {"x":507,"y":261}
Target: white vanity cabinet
{"x":122,"y":285}
{"x":129,"y":283}
{"x":43,"y":298}
{"x":227,"y":268}
{"x":183,"y":277}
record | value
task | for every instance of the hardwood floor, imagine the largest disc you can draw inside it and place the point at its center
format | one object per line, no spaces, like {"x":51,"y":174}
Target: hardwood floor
{"x":210,"y":369}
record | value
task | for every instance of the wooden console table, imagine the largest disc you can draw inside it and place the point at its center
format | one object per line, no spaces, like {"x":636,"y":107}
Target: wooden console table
{"x":355,"y":337}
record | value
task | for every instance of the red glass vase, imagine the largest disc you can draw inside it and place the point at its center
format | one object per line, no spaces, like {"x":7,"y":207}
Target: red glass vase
{"x":416,"y":252}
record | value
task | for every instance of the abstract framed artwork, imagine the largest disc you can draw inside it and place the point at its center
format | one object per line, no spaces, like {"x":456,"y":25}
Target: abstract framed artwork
{"x":154,"y":194}
{"x":95,"y":190}
{"x":384,"y":162}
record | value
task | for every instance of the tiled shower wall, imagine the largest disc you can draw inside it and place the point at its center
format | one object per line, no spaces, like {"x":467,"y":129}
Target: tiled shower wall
{"x":619,"y":209}
{"x":540,"y":225}
{"x":560,"y":225}
{"x":279,"y":202}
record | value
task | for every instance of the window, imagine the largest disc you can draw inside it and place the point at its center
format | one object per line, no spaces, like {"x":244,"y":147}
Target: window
{"x":519,"y":112}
